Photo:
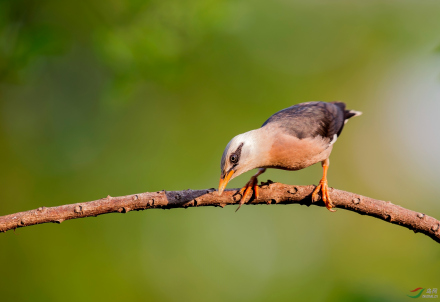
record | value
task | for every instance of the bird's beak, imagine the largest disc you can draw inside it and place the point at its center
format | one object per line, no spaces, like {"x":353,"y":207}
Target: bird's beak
{"x":224,"y":182}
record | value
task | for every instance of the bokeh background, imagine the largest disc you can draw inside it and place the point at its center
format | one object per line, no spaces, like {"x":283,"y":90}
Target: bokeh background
{"x":119,"y":97}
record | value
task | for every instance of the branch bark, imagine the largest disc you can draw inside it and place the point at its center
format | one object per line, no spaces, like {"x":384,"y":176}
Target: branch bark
{"x":270,"y":193}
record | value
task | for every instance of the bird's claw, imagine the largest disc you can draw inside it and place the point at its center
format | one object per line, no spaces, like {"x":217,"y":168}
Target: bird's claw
{"x":323,"y":187}
{"x":246,"y":191}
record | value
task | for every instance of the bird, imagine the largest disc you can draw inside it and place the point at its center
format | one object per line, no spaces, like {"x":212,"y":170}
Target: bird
{"x":291,"y":139}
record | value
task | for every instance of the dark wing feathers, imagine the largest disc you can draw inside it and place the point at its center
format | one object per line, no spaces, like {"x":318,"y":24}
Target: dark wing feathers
{"x":312,"y":119}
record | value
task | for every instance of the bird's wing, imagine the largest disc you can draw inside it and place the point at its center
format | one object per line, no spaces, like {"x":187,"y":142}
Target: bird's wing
{"x":312,"y":119}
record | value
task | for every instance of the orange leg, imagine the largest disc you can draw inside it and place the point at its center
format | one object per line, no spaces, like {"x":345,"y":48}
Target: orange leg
{"x":251,"y":184}
{"x":323,"y":187}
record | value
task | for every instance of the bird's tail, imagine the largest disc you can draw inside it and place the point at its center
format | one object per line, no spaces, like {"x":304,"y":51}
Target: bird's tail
{"x":347,"y":113}
{"x":350,"y":113}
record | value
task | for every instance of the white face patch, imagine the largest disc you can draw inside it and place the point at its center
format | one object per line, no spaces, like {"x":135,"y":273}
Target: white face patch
{"x":247,"y":157}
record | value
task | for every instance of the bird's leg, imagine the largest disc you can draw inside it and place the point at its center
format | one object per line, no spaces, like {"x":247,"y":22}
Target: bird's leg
{"x":323,"y":187}
{"x":251,"y":184}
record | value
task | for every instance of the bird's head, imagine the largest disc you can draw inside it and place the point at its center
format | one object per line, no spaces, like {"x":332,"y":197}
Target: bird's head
{"x":240,"y":155}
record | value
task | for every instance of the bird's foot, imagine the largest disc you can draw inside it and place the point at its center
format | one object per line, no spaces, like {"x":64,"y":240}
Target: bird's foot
{"x":323,"y":187}
{"x":246,"y":191}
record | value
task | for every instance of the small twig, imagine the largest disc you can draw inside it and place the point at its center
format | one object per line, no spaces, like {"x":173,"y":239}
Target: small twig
{"x":270,"y":193}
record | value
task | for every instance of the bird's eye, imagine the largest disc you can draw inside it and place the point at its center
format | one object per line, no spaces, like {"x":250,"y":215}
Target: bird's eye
{"x":233,"y":158}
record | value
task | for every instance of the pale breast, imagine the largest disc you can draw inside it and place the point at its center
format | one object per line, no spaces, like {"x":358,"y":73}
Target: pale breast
{"x":291,"y":153}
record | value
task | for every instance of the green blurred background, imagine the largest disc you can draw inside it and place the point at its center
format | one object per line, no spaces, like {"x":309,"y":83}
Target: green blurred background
{"x":119,"y":97}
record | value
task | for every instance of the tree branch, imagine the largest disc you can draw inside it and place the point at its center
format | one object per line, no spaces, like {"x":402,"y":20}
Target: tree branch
{"x":270,"y":193}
